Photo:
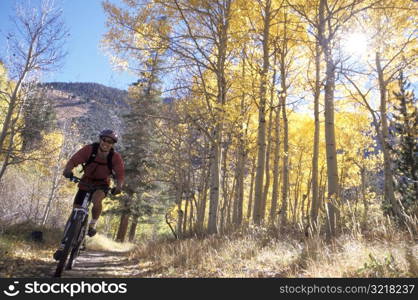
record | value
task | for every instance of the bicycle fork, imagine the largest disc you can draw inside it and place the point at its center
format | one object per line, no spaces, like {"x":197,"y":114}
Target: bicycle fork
{"x":83,"y":211}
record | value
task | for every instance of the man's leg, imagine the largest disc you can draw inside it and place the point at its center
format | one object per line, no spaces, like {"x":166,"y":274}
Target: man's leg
{"x":97,"y":199}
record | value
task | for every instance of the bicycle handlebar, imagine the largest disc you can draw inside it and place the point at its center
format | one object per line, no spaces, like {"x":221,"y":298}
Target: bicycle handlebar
{"x":91,"y":186}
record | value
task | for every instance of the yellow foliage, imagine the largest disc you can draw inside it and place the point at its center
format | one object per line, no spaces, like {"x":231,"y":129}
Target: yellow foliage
{"x":46,"y":155}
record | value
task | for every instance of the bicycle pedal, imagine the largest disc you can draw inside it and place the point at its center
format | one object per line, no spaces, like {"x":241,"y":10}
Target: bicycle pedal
{"x":91,"y":232}
{"x":57,"y":255}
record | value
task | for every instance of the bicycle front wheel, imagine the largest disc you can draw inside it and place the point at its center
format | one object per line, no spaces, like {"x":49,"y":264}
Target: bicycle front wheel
{"x":72,"y":234}
{"x":77,"y":244}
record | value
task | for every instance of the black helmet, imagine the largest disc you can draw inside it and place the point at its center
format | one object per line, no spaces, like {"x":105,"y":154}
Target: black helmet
{"x":110,"y":134}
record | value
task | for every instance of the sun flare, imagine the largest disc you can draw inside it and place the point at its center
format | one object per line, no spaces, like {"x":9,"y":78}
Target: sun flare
{"x":355,"y":43}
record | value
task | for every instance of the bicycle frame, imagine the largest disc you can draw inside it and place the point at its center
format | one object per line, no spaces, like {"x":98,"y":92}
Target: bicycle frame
{"x":83,"y":211}
{"x":81,"y":215}
{"x":75,"y":230}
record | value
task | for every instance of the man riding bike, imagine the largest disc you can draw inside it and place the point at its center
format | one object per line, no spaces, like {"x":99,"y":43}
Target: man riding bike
{"x":99,"y":161}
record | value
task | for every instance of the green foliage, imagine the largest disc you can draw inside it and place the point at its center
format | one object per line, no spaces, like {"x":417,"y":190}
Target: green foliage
{"x":379,"y":268}
{"x":140,"y":144}
{"x":404,"y":150}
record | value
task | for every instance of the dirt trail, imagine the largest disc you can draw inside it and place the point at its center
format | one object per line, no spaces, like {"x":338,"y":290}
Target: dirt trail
{"x":93,"y":263}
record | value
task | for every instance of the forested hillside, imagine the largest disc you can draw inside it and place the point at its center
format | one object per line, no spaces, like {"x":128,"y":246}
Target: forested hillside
{"x":91,"y":107}
{"x":91,"y":90}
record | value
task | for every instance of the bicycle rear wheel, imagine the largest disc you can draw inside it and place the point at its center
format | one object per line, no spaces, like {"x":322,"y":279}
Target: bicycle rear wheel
{"x":72,"y":233}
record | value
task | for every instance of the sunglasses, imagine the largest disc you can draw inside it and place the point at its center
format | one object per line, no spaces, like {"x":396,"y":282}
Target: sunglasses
{"x":108,"y":141}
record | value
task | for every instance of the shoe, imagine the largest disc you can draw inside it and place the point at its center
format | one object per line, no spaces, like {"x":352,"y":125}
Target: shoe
{"x":91,"y":232}
{"x":58,"y":254}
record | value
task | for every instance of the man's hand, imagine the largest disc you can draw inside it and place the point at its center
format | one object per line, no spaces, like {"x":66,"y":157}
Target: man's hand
{"x":68,"y":174}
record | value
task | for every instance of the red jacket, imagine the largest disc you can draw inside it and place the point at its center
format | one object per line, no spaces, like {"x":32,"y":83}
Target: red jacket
{"x":97,"y":173}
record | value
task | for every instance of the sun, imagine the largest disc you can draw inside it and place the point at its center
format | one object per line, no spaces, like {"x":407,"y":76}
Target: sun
{"x":355,"y":43}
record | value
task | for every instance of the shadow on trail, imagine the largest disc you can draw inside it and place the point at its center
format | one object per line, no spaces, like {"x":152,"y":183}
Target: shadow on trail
{"x":25,"y":268}
{"x":90,"y":264}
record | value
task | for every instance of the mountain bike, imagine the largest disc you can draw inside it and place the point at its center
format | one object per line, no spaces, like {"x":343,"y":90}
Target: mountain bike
{"x":76,"y":228}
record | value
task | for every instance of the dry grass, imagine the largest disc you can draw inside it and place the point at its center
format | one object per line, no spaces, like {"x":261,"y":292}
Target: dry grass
{"x":21,"y":256}
{"x":379,"y":250}
{"x":258,"y":252}
{"x":350,"y":257}
{"x":102,"y":243}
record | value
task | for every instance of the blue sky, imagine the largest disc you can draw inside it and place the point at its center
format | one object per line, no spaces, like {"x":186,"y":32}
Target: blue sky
{"x":85,"y":62}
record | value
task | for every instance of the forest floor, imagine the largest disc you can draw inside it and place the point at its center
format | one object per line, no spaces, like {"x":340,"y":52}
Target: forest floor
{"x":21,"y":256}
{"x":254,"y":252}
{"x":90,"y":264}
{"x":101,"y":264}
